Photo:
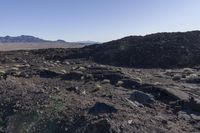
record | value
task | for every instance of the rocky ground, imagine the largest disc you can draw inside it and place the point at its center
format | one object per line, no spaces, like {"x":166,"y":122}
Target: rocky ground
{"x":44,"y":94}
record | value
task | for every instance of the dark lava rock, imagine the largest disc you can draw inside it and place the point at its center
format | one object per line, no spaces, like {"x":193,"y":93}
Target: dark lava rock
{"x":193,"y":104}
{"x":130,"y":83}
{"x":101,"y":108}
{"x":75,"y":75}
{"x":48,"y":74}
{"x":193,"y":80}
{"x":100,"y":126}
{"x":141,"y":97}
{"x":155,"y":50}
{"x":165,"y":94}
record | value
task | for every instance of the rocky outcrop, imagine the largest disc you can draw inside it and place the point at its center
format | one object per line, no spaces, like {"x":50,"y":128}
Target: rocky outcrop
{"x":155,"y":50}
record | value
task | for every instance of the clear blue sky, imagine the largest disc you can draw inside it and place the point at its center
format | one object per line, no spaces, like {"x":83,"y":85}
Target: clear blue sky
{"x":97,"y":20}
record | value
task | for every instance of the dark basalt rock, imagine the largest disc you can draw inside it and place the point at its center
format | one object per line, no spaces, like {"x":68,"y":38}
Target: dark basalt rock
{"x":101,"y":126}
{"x":130,"y":83}
{"x":75,"y":75}
{"x":101,"y":108}
{"x":165,"y":94}
{"x":48,"y":74}
{"x":141,"y":97}
{"x":193,"y":80}
{"x":156,"y":50}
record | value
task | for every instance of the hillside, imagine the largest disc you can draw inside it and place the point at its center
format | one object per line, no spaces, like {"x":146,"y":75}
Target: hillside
{"x":181,"y":49}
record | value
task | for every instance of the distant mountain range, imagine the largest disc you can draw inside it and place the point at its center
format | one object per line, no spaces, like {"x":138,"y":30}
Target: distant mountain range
{"x":22,"y":38}
{"x":32,"y":39}
{"x":25,"y":42}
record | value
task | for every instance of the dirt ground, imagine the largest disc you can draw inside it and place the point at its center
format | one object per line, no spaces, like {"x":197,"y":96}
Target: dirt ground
{"x":43,"y":95}
{"x":32,"y":46}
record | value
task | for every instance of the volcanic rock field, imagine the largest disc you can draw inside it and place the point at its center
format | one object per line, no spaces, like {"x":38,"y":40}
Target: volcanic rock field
{"x":148,"y":84}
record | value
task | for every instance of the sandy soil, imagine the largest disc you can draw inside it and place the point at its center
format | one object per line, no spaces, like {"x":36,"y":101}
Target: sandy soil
{"x":31,"y":46}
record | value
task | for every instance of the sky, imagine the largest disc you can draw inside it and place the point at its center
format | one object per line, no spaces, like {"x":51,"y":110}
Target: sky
{"x":96,"y":20}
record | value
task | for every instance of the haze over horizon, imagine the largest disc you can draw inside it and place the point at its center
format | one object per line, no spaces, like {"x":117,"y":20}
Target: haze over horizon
{"x":99,"y":20}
